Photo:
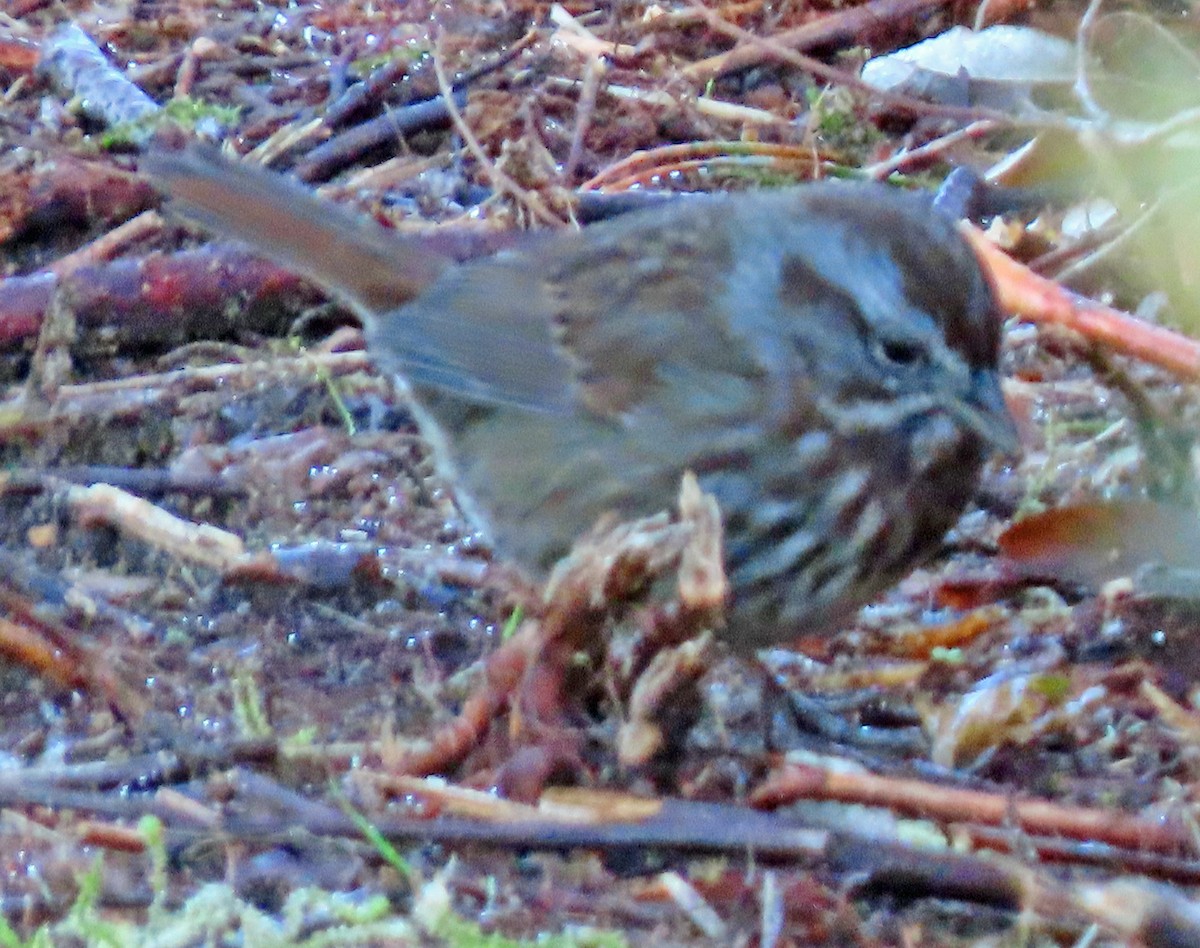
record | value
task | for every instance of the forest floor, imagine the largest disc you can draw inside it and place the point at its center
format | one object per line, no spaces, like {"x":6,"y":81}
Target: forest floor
{"x":242,"y":620}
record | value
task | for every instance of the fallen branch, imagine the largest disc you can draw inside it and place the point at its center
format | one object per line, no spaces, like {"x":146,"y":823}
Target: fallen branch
{"x":160,"y":300}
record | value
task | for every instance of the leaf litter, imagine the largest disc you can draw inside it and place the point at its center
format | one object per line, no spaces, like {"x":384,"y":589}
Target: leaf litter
{"x":238,"y":602}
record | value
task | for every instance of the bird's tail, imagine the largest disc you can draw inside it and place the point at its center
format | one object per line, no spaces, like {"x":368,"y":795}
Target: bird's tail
{"x":371,"y":268}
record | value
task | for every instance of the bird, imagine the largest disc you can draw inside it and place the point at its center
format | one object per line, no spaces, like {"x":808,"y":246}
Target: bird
{"x":823,"y":358}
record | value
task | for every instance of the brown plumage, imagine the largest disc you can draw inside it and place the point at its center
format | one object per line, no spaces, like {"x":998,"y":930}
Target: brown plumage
{"x":822,"y":357}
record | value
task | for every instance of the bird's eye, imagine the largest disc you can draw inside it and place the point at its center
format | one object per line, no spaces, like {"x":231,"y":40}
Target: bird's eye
{"x":900,"y":352}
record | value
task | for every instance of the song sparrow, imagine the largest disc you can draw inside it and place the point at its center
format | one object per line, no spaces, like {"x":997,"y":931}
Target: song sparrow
{"x":823,"y":358}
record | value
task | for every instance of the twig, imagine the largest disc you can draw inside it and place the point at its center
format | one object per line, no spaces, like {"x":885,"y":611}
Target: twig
{"x":501,"y":181}
{"x":17,"y":54}
{"x":348,"y":146}
{"x":930,"y":150}
{"x":161,"y":298}
{"x":1128,"y":908}
{"x":148,"y":481}
{"x":796,"y":782}
{"x":109,"y":245}
{"x":593,"y":70}
{"x":644,"y":164}
{"x":71,"y":192}
{"x":197,"y":543}
{"x":55,"y":653}
{"x":145,"y":771}
{"x":605,"y":568}
{"x":131,"y":396}
{"x":1085,"y":853}
{"x":1029,"y":296}
{"x":848,"y":26}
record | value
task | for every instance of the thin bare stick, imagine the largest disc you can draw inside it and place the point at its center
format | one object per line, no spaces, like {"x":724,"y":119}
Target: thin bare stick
{"x":107,"y":246}
{"x":502,"y":182}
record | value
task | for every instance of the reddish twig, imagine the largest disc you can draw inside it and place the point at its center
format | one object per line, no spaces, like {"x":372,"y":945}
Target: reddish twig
{"x":526,"y":675}
{"x":1032,"y":297}
{"x":54,"y":653}
{"x":17,"y":54}
{"x":109,"y":245}
{"x":71,"y":192}
{"x":162,"y":299}
{"x":808,"y":782}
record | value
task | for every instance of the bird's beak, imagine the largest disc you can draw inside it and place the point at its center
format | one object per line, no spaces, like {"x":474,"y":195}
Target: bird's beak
{"x":986,"y":413}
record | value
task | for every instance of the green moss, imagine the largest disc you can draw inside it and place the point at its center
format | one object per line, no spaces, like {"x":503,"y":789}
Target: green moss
{"x":185,"y":112}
